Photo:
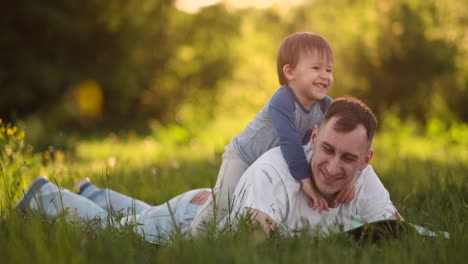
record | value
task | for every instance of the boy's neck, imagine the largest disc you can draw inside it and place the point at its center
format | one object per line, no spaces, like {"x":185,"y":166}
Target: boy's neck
{"x":306,"y":103}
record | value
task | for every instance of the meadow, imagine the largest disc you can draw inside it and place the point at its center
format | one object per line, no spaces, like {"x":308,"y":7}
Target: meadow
{"x":425,"y":171}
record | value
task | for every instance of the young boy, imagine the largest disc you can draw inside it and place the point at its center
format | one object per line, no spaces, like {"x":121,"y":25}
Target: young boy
{"x":305,"y":64}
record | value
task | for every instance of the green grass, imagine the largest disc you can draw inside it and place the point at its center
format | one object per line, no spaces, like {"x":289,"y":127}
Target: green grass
{"x":427,"y":188}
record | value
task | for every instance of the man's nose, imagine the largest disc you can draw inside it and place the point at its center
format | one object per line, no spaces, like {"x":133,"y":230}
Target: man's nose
{"x":333,"y":166}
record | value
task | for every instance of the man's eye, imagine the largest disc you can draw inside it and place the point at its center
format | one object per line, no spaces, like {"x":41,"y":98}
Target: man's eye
{"x":348,"y":159}
{"x":327,"y":149}
{"x":315,"y":67}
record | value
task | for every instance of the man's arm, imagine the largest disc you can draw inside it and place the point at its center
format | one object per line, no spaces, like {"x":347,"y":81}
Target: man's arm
{"x":261,"y":220}
{"x":374,"y":202}
{"x":263,"y":191}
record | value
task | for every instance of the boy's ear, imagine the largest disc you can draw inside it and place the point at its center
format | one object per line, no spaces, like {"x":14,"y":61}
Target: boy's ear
{"x":288,"y":72}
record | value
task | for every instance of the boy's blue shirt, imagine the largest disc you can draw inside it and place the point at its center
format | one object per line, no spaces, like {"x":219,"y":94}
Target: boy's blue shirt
{"x":285,"y":122}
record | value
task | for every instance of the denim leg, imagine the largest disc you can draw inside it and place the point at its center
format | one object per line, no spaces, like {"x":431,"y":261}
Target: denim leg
{"x":113,"y":202}
{"x":158,"y":223}
{"x":53,"y":201}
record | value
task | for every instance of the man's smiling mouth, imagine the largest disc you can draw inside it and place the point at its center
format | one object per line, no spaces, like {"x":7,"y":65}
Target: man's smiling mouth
{"x":329,"y":178}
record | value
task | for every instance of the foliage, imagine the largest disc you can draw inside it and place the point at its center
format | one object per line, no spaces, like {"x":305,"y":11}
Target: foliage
{"x":15,"y":162}
{"x":148,"y":59}
{"x":408,"y":65}
{"x":143,"y":57}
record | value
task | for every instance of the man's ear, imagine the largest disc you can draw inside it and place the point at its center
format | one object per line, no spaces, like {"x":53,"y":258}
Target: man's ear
{"x":313,"y":136}
{"x":367,"y":159}
{"x":288,"y":72}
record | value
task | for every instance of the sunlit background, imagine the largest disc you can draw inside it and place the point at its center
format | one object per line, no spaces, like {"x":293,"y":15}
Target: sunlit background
{"x":194,"y":73}
{"x":195,"y":6}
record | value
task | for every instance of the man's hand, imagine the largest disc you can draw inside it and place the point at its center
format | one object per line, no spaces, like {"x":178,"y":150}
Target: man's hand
{"x":315,"y":198}
{"x":346,"y":194}
{"x":397,"y":216}
{"x":262,"y":220}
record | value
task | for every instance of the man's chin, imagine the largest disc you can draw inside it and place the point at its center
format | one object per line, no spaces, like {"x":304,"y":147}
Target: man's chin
{"x":326,"y":191}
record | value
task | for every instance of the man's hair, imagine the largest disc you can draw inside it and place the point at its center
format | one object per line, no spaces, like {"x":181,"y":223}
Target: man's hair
{"x":350,"y":113}
{"x":296,"y":43}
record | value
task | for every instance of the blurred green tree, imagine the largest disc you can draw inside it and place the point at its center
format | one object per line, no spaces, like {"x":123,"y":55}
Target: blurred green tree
{"x":201,"y":60}
{"x":146,"y":56}
{"x":402,"y":69}
{"x":54,"y":45}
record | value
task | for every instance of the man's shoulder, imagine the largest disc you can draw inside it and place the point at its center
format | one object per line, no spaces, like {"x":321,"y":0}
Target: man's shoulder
{"x":368,"y":183}
{"x":366,"y":175}
{"x":274,"y":156}
{"x":271,"y":155}
{"x":274,"y":159}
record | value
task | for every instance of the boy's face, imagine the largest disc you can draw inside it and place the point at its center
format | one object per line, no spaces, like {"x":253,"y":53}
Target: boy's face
{"x":312,"y":77}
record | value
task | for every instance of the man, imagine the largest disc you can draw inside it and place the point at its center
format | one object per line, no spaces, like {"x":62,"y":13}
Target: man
{"x":339,"y":153}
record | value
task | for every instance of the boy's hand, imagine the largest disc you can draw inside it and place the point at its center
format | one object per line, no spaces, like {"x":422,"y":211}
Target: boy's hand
{"x":347,"y":193}
{"x":315,"y":198}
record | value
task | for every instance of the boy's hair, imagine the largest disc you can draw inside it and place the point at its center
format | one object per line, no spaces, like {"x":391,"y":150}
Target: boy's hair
{"x":350,"y":113}
{"x":296,"y":43}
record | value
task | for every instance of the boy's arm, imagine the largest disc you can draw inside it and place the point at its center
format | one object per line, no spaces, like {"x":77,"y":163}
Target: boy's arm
{"x":281,"y":111}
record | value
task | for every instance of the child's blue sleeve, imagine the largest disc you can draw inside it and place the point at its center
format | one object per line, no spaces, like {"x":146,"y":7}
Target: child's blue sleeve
{"x":281,"y":111}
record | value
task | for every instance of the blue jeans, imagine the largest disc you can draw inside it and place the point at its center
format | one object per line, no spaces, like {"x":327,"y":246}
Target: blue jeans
{"x":154,"y":223}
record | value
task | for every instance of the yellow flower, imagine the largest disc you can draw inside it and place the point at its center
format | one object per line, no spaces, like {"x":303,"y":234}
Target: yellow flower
{"x":21,"y":135}
{"x":10,"y":131}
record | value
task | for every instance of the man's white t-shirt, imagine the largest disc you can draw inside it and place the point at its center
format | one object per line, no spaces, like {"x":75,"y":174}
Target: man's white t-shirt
{"x":268,"y":186}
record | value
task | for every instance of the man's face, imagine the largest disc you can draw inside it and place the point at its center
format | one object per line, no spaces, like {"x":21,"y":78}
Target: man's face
{"x":338,"y":156}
